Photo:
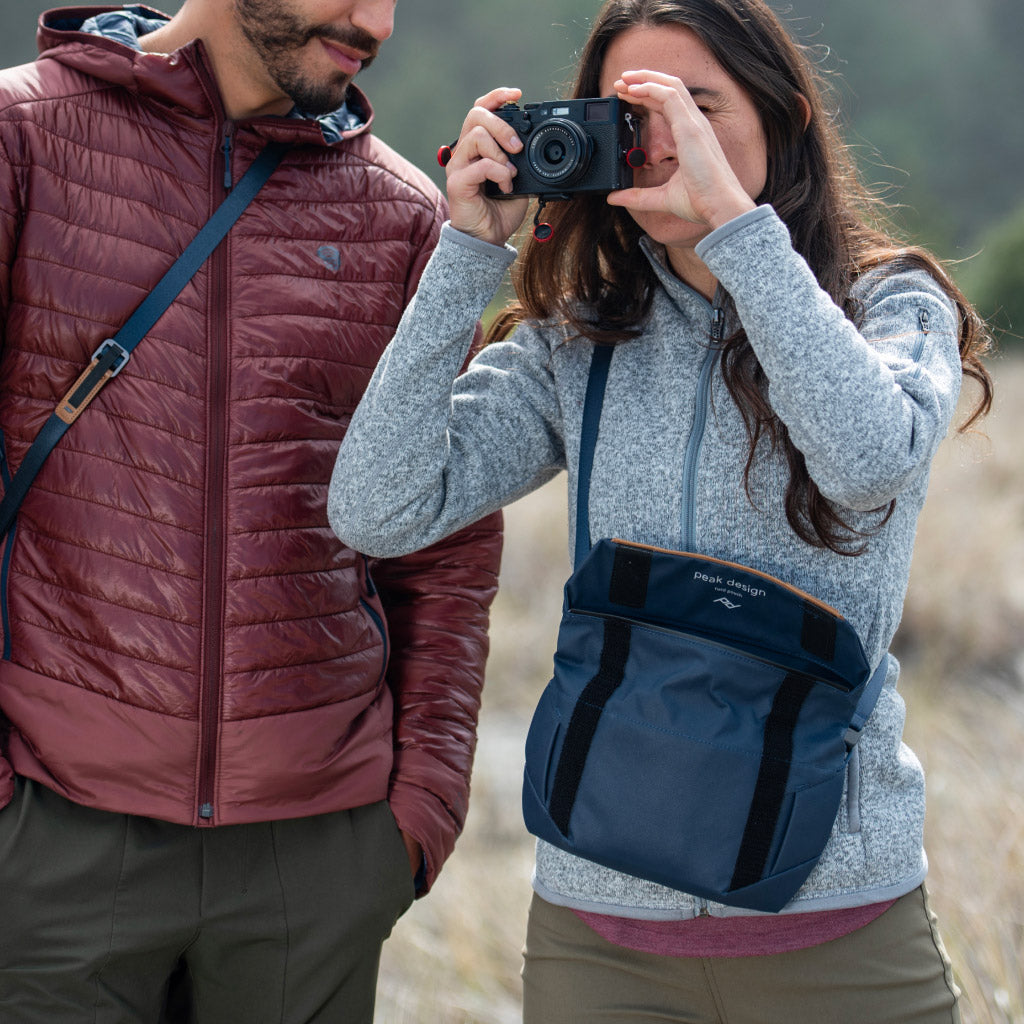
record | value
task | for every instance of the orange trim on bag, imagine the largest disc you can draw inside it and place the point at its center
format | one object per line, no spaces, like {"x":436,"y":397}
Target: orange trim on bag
{"x":736,"y":565}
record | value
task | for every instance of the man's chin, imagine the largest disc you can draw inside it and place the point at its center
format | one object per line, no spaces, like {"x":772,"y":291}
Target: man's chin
{"x":318,"y":102}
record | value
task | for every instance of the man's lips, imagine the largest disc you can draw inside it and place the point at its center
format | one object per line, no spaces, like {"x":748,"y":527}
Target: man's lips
{"x":348,"y":59}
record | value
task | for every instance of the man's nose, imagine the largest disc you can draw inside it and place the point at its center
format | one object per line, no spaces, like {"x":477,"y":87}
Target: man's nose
{"x":377,"y":17}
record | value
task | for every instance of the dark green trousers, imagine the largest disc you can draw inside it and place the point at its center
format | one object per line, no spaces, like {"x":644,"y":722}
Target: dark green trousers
{"x":272,"y":923}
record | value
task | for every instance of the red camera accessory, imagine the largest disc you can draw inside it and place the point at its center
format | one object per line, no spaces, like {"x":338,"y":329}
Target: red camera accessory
{"x":636,"y":155}
{"x":444,"y":154}
{"x":542,"y":230}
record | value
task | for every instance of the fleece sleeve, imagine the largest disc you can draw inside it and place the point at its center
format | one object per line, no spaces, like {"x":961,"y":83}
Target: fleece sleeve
{"x":866,"y":404}
{"x":429,"y":451}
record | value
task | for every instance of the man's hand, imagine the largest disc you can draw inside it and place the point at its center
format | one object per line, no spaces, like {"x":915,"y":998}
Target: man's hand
{"x":415,"y":852}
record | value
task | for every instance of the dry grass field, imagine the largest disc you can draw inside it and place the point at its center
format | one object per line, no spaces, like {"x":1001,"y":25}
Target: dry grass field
{"x":455,"y":957}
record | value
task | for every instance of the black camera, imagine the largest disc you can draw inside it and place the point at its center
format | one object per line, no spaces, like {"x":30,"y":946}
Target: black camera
{"x":572,"y":146}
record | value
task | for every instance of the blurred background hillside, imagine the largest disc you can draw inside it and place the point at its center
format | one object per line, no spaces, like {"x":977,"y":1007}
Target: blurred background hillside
{"x":929,"y":91}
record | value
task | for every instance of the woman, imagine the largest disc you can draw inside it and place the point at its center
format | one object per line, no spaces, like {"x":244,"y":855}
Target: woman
{"x":783,"y":374}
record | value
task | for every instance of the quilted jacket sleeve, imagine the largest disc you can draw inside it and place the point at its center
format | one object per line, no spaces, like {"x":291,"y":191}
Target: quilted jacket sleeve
{"x":9,"y":206}
{"x":436,"y":602}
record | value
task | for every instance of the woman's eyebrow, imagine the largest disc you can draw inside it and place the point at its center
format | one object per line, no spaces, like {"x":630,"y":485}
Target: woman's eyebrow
{"x":703,"y":92}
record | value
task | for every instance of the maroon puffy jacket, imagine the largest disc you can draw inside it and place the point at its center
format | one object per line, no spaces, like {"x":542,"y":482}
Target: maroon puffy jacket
{"x":184,"y":637}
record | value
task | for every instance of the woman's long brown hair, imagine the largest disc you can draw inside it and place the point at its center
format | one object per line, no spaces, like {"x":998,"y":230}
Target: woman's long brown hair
{"x":839,"y":227}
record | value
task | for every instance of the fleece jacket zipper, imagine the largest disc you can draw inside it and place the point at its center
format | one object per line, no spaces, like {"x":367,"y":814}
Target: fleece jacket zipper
{"x":702,"y":404}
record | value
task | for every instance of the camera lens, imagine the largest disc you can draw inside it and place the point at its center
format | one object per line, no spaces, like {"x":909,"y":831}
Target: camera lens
{"x":559,"y":151}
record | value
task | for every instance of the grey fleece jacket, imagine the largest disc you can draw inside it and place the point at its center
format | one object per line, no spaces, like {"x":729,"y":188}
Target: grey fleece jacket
{"x":429,"y":451}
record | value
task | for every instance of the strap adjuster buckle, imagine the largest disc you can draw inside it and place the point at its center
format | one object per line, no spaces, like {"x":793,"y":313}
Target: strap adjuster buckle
{"x":109,"y":359}
{"x":123,"y":355}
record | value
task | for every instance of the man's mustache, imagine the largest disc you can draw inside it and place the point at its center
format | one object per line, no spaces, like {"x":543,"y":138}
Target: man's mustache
{"x":354,"y":38}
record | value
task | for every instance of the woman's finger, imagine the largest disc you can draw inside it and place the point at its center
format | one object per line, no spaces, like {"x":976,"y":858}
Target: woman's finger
{"x":656,"y":198}
{"x":676,"y":104}
{"x":476,"y":144}
{"x":466,"y":182}
{"x":482,"y":116}
{"x":499,"y":97}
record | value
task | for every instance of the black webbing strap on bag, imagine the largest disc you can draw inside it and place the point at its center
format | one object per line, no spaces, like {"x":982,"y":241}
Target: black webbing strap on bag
{"x":110,"y":358}
{"x":628,"y":587}
{"x":772,"y":776}
{"x":586,"y":716}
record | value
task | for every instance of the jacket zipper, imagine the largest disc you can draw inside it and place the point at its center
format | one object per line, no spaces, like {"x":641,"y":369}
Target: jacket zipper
{"x":213,"y":596}
{"x":378,"y":622}
{"x":8,"y":541}
{"x":688,"y":526}
{"x":226,"y":150}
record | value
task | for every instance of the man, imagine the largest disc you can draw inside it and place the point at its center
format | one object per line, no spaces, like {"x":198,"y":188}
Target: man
{"x":229,"y":743}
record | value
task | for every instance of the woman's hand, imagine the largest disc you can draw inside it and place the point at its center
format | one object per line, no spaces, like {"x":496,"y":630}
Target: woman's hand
{"x":703,"y":188}
{"x":481,"y":155}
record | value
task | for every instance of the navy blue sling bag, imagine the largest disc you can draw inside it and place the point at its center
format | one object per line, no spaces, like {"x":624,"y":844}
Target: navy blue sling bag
{"x":700,"y":719}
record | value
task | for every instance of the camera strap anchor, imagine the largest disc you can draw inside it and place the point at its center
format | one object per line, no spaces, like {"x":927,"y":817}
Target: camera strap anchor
{"x":542,"y":230}
{"x":636,"y":155}
{"x":444,"y":153}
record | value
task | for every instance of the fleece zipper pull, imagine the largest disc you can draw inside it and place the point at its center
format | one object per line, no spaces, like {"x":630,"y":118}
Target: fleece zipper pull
{"x":717,"y":324}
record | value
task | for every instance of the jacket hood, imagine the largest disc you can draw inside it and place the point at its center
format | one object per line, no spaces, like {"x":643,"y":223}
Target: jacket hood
{"x":103,"y":42}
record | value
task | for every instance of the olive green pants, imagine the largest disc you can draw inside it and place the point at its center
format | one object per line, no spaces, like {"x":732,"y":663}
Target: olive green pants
{"x":892,"y":971}
{"x":272,"y":923}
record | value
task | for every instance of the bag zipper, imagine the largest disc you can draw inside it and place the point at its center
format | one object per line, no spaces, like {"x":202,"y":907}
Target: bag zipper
{"x":717,"y":645}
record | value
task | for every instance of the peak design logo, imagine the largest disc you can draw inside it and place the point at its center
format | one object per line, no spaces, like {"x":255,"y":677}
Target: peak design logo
{"x":329,"y":256}
{"x":734,"y":588}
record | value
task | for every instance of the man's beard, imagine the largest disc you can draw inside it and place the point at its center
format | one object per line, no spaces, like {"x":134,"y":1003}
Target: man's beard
{"x":277,"y":35}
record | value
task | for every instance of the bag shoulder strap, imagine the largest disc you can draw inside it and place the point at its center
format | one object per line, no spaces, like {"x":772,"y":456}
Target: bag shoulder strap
{"x":867,"y":702}
{"x":600,"y":362}
{"x":110,"y":358}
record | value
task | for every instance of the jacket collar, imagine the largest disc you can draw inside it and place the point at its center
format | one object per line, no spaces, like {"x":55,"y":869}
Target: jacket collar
{"x":686,"y":298}
{"x":103,"y":42}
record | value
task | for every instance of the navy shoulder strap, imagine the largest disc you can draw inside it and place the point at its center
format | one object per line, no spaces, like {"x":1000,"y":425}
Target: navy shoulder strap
{"x":600,"y":362}
{"x":868,"y":700}
{"x":110,"y":358}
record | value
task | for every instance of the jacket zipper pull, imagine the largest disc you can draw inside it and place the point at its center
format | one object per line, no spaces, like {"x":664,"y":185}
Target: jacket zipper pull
{"x":227,"y":160}
{"x":717,"y":323}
